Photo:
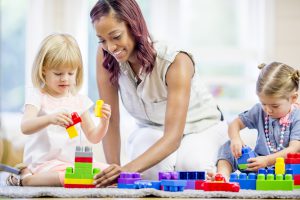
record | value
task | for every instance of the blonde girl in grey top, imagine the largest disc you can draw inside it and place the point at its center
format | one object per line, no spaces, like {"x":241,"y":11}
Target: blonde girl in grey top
{"x":180,"y":127}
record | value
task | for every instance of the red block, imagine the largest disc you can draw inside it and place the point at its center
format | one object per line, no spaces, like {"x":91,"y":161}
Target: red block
{"x":219,"y":186}
{"x":297,"y":179}
{"x":199,"y":184}
{"x":84,"y":159}
{"x":78,"y":186}
{"x":75,"y":118}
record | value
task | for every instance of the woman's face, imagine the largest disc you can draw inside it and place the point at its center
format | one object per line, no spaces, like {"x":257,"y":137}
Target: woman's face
{"x":115,"y":37}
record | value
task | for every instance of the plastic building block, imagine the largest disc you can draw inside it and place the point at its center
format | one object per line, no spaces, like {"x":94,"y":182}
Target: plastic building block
{"x":219,"y":184}
{"x":127,"y":180}
{"x":168,"y":176}
{"x":98,"y":108}
{"x":293,"y":158}
{"x":297,"y":179}
{"x":246,"y":182}
{"x":294,"y":167}
{"x":148,"y":184}
{"x":247,"y":153}
{"x":173,"y":185}
{"x":199,"y":184}
{"x":71,"y":128}
{"x":191,"y":177}
{"x":83,"y":173}
{"x":279,"y":166}
{"x":10,"y":169}
{"x":271,"y":183}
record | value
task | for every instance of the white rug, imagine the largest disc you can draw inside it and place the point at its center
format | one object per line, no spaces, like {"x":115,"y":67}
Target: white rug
{"x":29,"y":192}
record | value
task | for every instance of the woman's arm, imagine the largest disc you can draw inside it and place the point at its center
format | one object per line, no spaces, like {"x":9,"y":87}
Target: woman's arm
{"x":95,"y":133}
{"x":32,"y":123}
{"x":178,"y":78}
{"x":109,"y":93}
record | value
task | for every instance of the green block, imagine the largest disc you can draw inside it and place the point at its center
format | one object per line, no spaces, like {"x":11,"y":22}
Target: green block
{"x":270,"y":183}
{"x":297,"y":187}
{"x":242,"y":166}
{"x":79,"y":165}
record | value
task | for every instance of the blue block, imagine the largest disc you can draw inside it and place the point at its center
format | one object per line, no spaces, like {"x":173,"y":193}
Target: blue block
{"x":247,"y":153}
{"x":294,"y":167}
{"x":246,"y":182}
{"x":173,"y":185}
{"x":148,"y":184}
{"x":126,"y":186}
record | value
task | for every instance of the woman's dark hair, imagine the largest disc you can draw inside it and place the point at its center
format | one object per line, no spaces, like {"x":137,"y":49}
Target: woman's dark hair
{"x":129,"y":12}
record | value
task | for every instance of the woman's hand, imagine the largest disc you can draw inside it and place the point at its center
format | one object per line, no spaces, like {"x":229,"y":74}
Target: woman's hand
{"x":236,"y":147}
{"x":257,"y":163}
{"x":108,"y":176}
{"x":63,"y":119}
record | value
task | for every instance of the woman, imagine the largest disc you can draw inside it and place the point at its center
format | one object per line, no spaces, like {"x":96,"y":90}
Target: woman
{"x":180,"y":126}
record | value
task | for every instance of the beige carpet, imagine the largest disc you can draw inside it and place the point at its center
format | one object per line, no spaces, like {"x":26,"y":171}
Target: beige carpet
{"x":29,"y":192}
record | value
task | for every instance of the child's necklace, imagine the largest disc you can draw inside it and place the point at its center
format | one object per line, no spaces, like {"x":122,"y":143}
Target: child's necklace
{"x":283,"y":126}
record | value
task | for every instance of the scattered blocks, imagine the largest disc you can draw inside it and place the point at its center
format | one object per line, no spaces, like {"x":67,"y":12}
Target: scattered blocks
{"x":83,"y":173}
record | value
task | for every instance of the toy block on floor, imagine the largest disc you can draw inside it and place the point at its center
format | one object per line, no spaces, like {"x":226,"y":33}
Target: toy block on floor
{"x":98,"y":108}
{"x":294,"y":167}
{"x":148,"y":184}
{"x":247,"y":182}
{"x":274,"y":182}
{"x":71,"y":128}
{"x":219,"y":184}
{"x":127,"y":180}
{"x":247,"y":153}
{"x":168,"y":175}
{"x":81,"y":176}
{"x":173,"y":185}
{"x":191,"y":177}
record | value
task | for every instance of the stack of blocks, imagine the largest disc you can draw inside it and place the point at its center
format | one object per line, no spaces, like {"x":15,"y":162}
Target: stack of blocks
{"x":83,"y":173}
{"x":293,"y":163}
{"x":71,"y":128}
{"x":278,"y":181}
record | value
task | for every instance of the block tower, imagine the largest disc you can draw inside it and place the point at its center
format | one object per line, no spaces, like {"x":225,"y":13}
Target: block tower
{"x":81,"y":176}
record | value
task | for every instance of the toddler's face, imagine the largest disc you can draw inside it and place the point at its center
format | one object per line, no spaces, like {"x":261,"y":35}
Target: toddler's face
{"x":60,"y":81}
{"x":276,"y":107}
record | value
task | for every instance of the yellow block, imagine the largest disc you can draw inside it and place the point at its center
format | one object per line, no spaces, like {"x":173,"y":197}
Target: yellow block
{"x":72,"y":132}
{"x":79,"y":181}
{"x":279,"y":166}
{"x":98,"y":108}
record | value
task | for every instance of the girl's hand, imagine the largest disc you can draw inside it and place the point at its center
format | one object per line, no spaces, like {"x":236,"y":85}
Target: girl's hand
{"x":257,"y":163}
{"x":106,"y":111}
{"x":236,"y":147}
{"x":63,"y":119}
{"x":108,"y":177}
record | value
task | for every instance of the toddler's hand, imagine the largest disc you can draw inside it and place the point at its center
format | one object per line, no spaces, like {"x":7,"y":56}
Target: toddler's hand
{"x":106,"y":111}
{"x":257,"y":163}
{"x":236,"y":147}
{"x":61,"y":119}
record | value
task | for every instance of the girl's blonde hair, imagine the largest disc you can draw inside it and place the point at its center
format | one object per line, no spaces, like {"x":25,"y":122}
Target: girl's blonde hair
{"x":57,"y":51}
{"x":277,"y":80}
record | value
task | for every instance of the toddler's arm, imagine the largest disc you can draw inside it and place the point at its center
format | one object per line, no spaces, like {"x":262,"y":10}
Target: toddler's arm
{"x":32,"y":123}
{"x":269,"y":160}
{"x":95,"y":134}
{"x":235,"y":138}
